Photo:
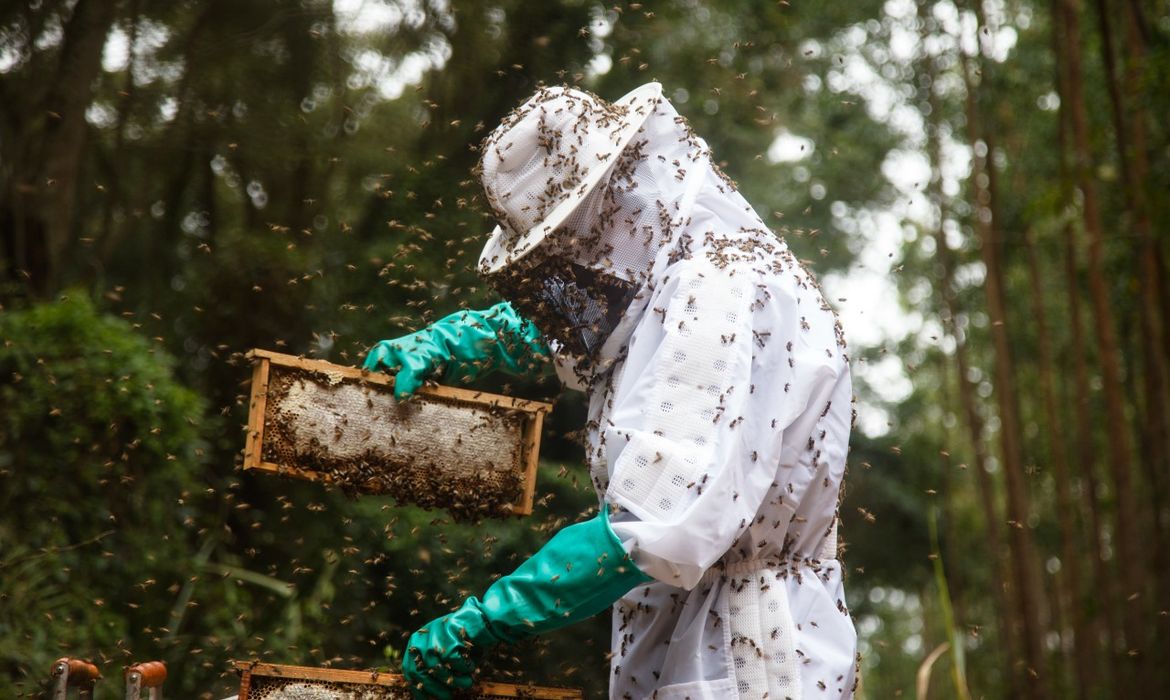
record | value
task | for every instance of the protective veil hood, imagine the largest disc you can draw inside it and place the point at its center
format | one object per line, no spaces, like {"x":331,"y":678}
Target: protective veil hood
{"x":582,"y":281}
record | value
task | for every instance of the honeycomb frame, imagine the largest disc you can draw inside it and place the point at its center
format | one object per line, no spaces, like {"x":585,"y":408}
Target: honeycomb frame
{"x":266,"y":681}
{"x":417,"y":459}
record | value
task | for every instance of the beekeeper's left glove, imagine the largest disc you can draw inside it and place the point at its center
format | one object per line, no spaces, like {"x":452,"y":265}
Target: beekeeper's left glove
{"x":581,"y":571}
{"x":462,"y":346}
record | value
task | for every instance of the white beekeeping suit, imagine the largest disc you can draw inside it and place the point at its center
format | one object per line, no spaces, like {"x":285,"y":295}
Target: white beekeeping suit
{"x":719,"y":395}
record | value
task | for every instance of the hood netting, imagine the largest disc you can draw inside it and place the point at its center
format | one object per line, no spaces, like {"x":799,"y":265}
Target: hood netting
{"x":577,"y":284}
{"x":643,"y":205}
{"x":565,"y":118}
{"x":660,"y":200}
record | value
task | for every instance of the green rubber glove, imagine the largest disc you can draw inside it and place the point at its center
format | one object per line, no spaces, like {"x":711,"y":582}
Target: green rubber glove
{"x":462,"y":346}
{"x":581,"y":571}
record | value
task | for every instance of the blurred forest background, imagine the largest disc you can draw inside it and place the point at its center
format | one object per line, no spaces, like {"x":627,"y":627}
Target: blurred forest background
{"x":981,"y":185}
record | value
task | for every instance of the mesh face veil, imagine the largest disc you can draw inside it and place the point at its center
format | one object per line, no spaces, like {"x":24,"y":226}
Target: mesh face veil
{"x":581,"y":278}
{"x":577,"y":306}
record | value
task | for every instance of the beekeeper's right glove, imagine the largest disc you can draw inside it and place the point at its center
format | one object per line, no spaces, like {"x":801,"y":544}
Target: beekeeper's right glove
{"x":578,"y":573}
{"x":461,"y":347}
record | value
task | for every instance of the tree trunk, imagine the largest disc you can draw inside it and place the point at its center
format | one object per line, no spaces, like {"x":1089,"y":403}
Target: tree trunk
{"x":115,"y":198}
{"x":949,"y":314}
{"x":1131,"y":567}
{"x":1024,"y":574}
{"x":1071,"y":579}
{"x":1153,"y":315}
{"x":1131,"y":121}
{"x":43,"y":218}
{"x":1022,"y":550}
{"x":1104,"y":622}
{"x":1005,"y":594}
{"x":1129,"y":125}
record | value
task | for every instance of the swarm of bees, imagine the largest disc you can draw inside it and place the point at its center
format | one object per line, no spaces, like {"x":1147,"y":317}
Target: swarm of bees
{"x":470,"y":491}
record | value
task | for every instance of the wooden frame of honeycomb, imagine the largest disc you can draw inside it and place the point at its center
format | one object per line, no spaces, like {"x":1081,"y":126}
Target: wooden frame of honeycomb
{"x":265,"y":681}
{"x":470,"y":452}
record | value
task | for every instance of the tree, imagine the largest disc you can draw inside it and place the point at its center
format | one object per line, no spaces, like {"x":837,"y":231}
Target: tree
{"x":91,"y":415}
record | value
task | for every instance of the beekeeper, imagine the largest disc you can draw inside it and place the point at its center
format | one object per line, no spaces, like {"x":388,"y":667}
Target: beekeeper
{"x":719,"y":411}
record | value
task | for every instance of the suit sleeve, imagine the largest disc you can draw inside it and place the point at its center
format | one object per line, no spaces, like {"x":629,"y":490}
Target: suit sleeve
{"x":678,"y":441}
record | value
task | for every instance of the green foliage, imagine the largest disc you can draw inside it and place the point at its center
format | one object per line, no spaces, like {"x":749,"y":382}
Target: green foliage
{"x":90,"y":416}
{"x":113,"y":550}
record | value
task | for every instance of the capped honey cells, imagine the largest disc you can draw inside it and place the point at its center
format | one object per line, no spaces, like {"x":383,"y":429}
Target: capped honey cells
{"x":470,"y":453}
{"x":281,"y":682}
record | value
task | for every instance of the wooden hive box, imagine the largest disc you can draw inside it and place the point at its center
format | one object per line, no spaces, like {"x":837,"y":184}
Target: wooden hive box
{"x":263,"y":681}
{"x":471,"y":452}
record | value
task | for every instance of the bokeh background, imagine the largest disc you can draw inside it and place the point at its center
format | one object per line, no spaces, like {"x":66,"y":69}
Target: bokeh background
{"x":980,"y":185}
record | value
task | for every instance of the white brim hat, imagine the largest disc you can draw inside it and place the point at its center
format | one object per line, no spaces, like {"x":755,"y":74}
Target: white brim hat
{"x":547,"y":156}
